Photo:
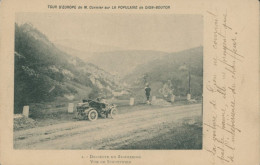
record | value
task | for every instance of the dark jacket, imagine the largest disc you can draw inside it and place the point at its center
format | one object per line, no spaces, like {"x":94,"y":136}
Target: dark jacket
{"x":147,"y":90}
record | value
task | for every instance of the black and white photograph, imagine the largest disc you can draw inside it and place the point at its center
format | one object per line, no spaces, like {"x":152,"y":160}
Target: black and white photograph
{"x":104,"y":81}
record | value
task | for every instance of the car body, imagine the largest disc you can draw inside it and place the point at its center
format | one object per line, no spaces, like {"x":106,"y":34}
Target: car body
{"x":92,"y":109}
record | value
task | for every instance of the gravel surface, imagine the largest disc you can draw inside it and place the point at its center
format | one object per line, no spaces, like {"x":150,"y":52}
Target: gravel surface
{"x":124,"y":132}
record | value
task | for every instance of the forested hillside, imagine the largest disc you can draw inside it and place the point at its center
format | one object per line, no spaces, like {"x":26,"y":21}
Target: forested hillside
{"x":173,"y":67}
{"x":44,"y":73}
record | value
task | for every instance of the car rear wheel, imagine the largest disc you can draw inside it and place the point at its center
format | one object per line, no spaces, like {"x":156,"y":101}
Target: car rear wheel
{"x":113,"y":113}
{"x":92,"y":115}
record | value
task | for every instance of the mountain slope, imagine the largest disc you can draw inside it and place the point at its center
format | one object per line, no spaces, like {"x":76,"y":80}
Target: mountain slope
{"x":173,"y":67}
{"x":122,"y":63}
{"x":43,"y":72}
{"x":117,"y":62}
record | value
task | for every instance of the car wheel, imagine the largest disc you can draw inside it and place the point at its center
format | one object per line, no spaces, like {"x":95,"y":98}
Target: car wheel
{"x":92,"y":115}
{"x":113,"y":113}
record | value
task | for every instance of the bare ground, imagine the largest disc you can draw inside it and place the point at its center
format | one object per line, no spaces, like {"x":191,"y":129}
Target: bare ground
{"x":159,"y":128}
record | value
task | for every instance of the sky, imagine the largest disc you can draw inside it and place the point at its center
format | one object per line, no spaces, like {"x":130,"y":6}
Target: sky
{"x":159,"y":32}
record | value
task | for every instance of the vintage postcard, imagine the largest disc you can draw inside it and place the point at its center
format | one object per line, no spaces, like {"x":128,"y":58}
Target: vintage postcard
{"x":129,"y":82}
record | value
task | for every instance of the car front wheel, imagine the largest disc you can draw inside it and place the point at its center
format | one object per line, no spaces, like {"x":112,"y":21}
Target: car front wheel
{"x":113,"y":113}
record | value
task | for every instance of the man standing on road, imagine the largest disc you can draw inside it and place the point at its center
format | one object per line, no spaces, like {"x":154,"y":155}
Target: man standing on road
{"x":147,"y":92}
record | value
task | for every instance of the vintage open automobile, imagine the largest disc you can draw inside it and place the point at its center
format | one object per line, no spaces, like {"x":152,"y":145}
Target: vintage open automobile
{"x":92,"y":109}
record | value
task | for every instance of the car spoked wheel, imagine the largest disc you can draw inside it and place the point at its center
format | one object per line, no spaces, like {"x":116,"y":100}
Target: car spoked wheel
{"x":92,"y":115}
{"x":113,"y":113}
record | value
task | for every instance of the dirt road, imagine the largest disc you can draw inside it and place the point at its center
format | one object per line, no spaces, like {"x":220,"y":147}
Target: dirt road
{"x":128,"y":128}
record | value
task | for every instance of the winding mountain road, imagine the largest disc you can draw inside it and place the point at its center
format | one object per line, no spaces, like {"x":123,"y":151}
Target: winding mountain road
{"x":105,"y":133}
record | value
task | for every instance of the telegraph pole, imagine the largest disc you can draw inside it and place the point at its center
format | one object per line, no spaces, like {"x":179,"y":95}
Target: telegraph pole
{"x":189,"y":81}
{"x":189,"y":90}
